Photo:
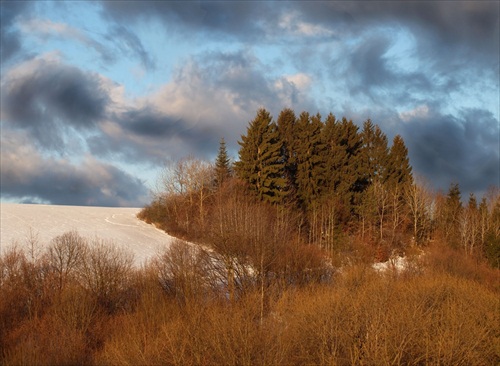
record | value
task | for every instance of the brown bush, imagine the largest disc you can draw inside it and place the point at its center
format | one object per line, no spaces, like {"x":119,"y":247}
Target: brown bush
{"x":105,"y":272}
{"x":446,"y":313}
{"x":46,"y":341}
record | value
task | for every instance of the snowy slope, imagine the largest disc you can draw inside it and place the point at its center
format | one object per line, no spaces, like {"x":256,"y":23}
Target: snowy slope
{"x":119,"y":225}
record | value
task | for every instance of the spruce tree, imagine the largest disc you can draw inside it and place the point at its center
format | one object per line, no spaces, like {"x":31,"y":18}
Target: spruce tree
{"x":399,"y":168}
{"x":222,"y":165}
{"x":343,"y":154}
{"x":452,"y":211}
{"x":309,"y":148}
{"x":375,"y":153}
{"x":286,"y":124}
{"x":260,"y":161}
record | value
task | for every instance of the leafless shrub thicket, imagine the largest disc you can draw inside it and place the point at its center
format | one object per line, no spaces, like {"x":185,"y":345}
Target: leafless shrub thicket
{"x":81,"y":302}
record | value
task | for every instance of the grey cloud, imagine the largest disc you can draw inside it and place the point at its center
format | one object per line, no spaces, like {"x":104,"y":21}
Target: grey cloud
{"x":146,"y":122}
{"x":367,"y":71}
{"x":147,"y":136}
{"x":242,"y":76}
{"x":29,"y":177}
{"x":130,"y":45}
{"x":216,"y":94}
{"x":10,"y":39}
{"x":463,"y":149}
{"x":228,"y":19}
{"x":470,"y":24}
{"x":46,"y":97}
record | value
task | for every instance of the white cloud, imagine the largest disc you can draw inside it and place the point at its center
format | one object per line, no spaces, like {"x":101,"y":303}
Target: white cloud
{"x":301,"y":80}
{"x":421,"y":111}
{"x":291,"y":23}
{"x":44,"y":29}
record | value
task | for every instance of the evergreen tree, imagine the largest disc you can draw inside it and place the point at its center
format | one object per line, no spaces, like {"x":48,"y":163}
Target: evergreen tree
{"x":286,"y":124}
{"x":451,"y":215}
{"x":343,"y":152}
{"x":375,"y":153}
{"x":260,"y":161}
{"x":222,"y":165}
{"x":492,"y":237}
{"x":309,"y":148}
{"x":398,"y":168}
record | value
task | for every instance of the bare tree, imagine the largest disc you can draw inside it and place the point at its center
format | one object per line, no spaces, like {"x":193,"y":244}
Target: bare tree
{"x":418,"y":197}
{"x":187,"y":182}
{"x":105,"y":272}
{"x":184,"y":271}
{"x":65,"y":255}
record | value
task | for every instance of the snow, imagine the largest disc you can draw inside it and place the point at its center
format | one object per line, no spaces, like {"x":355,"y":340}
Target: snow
{"x":19,"y":222}
{"x":397,"y":264}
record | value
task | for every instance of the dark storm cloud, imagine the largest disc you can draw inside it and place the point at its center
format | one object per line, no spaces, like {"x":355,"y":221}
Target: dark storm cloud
{"x":449,"y":149}
{"x":445,"y":26}
{"x":10,"y":39}
{"x":473,"y":24}
{"x":147,"y":122}
{"x":147,"y":136}
{"x":45,"y":97}
{"x":367,"y":71}
{"x":27,"y":176}
{"x":239,"y":19}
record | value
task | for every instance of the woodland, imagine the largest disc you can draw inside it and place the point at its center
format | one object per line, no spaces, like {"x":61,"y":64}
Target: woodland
{"x":273,"y":264}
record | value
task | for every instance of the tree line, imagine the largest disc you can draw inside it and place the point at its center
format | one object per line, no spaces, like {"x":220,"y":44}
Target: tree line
{"x":338,"y":186}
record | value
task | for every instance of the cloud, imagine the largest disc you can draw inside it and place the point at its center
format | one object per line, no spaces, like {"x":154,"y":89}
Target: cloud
{"x":130,"y":45}
{"x":463,"y":149}
{"x":47,"y":98}
{"x":292,"y":24}
{"x":467,"y":25}
{"x":118,"y":40}
{"x":420,"y":112}
{"x":10,"y":38}
{"x":45,"y":28}
{"x":240,"y":20}
{"x":29,"y":177}
{"x":212,"y":95}
{"x":470,"y":24}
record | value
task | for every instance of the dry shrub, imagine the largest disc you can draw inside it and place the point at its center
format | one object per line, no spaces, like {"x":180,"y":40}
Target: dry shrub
{"x":26,"y":289}
{"x":388,"y":320}
{"x":49,"y":341}
{"x":364,"y":318}
{"x":65,"y":255}
{"x":219,"y":334}
{"x":440,"y":258}
{"x":106,"y":271}
{"x":185,"y":272}
{"x":446,"y":313}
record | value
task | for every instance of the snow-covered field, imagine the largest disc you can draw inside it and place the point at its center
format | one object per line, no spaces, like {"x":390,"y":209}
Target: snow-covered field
{"x":120,"y":225}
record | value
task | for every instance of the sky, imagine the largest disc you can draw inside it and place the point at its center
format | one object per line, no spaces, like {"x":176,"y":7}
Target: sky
{"x":96,"y":97}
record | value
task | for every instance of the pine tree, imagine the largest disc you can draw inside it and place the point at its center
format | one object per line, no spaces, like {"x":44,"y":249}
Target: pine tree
{"x":222,"y":165}
{"x":343,"y":146}
{"x":375,"y":153}
{"x":260,"y":161}
{"x":286,"y":124}
{"x":452,"y":211}
{"x":309,"y":148}
{"x":398,"y":168}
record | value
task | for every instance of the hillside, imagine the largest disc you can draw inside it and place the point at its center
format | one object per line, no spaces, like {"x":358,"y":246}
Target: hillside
{"x":19,"y":222}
